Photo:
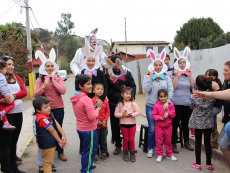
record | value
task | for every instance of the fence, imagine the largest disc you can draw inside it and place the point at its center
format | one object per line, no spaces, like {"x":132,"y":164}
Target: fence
{"x":201,"y":60}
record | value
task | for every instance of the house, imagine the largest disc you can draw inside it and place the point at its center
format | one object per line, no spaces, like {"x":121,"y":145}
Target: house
{"x":139,"y":48}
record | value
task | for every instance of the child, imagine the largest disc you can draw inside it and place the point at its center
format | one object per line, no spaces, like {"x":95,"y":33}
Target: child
{"x":126,"y":110}
{"x":103,"y":116}
{"x":202,"y":120}
{"x":4,"y":93}
{"x":163,"y":127}
{"x":40,"y":155}
{"x":170,"y":68}
{"x":86,"y":117}
{"x":217,"y":106}
{"x":46,"y":128}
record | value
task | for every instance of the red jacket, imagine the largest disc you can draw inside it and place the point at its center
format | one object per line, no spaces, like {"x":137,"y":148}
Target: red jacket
{"x":104,"y":112}
{"x":158,"y":112}
{"x":84,"y":111}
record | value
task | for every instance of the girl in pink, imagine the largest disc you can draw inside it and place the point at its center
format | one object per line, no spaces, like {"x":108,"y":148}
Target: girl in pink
{"x":163,"y":127}
{"x":4,"y":93}
{"x":127,"y":110}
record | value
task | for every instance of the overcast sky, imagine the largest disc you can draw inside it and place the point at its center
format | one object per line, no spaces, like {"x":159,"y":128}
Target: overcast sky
{"x":147,"y":20}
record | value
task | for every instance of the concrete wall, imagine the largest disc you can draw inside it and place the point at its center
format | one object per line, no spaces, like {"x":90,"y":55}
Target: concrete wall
{"x":201,"y":60}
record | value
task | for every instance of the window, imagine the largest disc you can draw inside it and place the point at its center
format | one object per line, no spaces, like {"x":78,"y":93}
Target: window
{"x":116,"y":50}
{"x":160,"y":48}
{"x":149,"y":47}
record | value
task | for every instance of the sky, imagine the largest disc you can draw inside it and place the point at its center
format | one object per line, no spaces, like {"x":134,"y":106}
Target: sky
{"x":146,"y":20}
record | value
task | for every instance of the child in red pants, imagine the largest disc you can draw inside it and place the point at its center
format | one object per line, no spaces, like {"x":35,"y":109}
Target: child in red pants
{"x":163,"y":126}
{"x":127,"y":110}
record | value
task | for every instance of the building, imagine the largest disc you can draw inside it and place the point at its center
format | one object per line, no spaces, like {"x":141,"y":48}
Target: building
{"x":139,"y":48}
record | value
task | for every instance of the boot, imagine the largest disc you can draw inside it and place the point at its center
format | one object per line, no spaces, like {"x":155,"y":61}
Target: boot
{"x":214,"y":144}
{"x":226,"y":154}
{"x":126,"y":155}
{"x":188,"y":146}
{"x":174,"y":149}
{"x":117,"y":150}
{"x":215,"y":136}
{"x":132,"y":156}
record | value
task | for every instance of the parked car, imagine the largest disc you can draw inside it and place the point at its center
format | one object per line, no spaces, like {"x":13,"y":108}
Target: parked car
{"x":63,"y":74}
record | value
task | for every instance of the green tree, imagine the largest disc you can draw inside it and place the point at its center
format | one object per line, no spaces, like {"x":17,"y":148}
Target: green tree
{"x":206,"y":43}
{"x":65,"y":26}
{"x":195,"y":29}
{"x":44,"y":35}
{"x":70,"y":47}
{"x":16,"y":48}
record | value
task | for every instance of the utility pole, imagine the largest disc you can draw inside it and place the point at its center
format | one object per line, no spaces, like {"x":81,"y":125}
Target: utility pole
{"x":30,"y":60}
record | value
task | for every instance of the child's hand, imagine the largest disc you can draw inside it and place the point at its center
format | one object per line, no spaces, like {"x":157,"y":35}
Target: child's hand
{"x":124,"y":114}
{"x":63,"y":138}
{"x":166,"y":115}
{"x":162,"y":118}
{"x":129,"y":115}
{"x":90,"y":74}
{"x":103,"y":124}
{"x":63,"y":144}
{"x":99,"y":123}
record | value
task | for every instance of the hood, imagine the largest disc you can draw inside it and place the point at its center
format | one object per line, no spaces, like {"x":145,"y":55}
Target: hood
{"x":201,"y":103}
{"x":74,"y":99}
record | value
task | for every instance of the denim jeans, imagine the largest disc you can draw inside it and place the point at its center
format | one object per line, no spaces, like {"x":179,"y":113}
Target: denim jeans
{"x":102,"y":140}
{"x":227,"y":129}
{"x":151,"y":122}
{"x":59,"y":116}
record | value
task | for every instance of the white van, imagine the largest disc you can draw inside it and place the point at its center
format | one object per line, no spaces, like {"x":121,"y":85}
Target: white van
{"x":63,"y":74}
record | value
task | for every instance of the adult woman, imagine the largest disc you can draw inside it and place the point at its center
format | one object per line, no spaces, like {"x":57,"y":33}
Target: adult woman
{"x":223,"y":140}
{"x":151,"y":86}
{"x":181,"y":95}
{"x":8,"y":139}
{"x":51,"y":86}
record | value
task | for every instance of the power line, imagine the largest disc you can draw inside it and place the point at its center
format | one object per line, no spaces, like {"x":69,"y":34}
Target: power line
{"x":19,"y":3}
{"x":7,"y":10}
{"x":35,"y":17}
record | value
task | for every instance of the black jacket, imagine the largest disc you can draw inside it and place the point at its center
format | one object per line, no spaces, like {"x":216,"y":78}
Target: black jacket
{"x":100,"y":78}
{"x":114,"y":89}
{"x":226,"y":104}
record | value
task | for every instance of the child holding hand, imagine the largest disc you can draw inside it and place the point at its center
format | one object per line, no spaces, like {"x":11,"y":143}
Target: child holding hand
{"x":47,"y":128}
{"x":163,"y":127}
{"x":127,"y":110}
{"x":102,"y":131}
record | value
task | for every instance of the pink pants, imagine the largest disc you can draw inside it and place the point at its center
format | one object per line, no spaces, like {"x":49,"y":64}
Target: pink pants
{"x":163,"y":135}
{"x":128,"y":138}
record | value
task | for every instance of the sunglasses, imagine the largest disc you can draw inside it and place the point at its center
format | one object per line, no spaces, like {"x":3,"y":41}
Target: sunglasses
{"x":7,"y":57}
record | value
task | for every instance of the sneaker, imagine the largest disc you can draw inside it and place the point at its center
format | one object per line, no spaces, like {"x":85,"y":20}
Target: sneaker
{"x":197,"y":167}
{"x":159,"y":159}
{"x":41,"y":169}
{"x":104,"y":158}
{"x":172,"y":158}
{"x":210,"y":167}
{"x":94,"y":167}
{"x":8,"y":126}
{"x":150,"y":153}
{"x":54,"y":168}
{"x":96,"y":160}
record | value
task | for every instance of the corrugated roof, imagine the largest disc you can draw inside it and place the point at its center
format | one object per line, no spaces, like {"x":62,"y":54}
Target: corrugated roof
{"x":140,"y":43}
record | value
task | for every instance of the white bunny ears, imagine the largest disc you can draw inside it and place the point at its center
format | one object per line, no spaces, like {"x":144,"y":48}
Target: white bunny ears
{"x":154,"y":59}
{"x":117,"y":63}
{"x":52,"y":57}
{"x":88,"y":54}
{"x":184,"y":56}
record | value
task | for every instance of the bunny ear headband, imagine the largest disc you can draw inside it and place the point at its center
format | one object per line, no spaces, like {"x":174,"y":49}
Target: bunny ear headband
{"x":88,"y":36}
{"x":117,"y":63}
{"x":154,"y":59}
{"x":52,"y":57}
{"x":184,"y":56}
{"x":88,"y":54}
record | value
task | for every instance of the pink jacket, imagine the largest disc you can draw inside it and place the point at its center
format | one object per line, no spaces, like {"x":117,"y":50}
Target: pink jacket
{"x":53,"y":92}
{"x":84,"y":111}
{"x":158,"y":112}
{"x":131,"y":107}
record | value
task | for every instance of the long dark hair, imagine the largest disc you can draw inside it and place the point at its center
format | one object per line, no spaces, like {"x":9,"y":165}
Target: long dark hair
{"x":214,"y":73}
{"x":2,"y":63}
{"x":203,"y":83}
{"x":123,"y":90}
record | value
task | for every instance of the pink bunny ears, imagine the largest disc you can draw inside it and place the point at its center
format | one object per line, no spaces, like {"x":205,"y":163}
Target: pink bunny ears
{"x":153,"y":56}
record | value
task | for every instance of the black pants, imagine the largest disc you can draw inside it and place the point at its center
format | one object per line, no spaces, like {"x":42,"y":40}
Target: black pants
{"x":59,"y":116}
{"x":183,"y":114}
{"x":115,"y":126}
{"x":102,"y":140}
{"x":208,"y":148}
{"x":8,"y":142}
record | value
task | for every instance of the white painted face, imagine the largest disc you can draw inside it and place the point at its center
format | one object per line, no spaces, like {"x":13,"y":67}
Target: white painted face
{"x":157,"y":63}
{"x":181,"y":63}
